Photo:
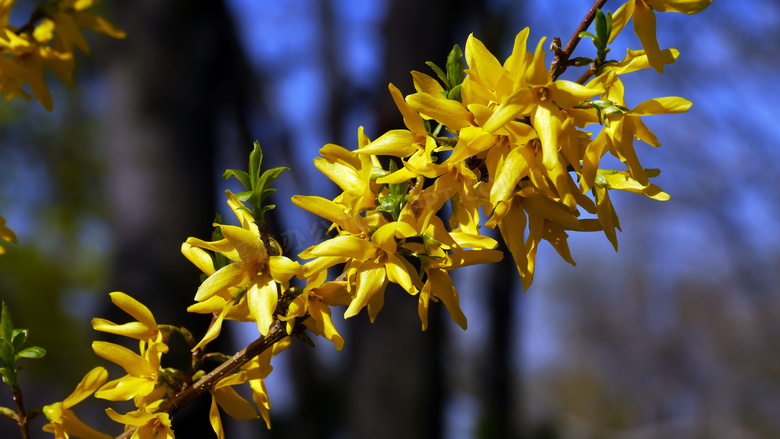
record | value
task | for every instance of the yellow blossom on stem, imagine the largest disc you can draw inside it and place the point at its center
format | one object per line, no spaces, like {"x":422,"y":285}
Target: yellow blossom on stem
{"x":63,"y":422}
{"x":147,"y":425}
{"x":252,"y":273}
{"x":643,"y":13}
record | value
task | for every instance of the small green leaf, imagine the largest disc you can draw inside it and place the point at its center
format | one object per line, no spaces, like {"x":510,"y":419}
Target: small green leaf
{"x":19,"y":338}
{"x":255,"y":161}
{"x":269,"y":176}
{"x":601,"y":26}
{"x":6,"y":324}
{"x":439,"y":72}
{"x":455,"y":67}
{"x":243,"y":196}
{"x":609,"y":24}
{"x":32,"y":352}
{"x":7,"y":354}
{"x":242,"y":176}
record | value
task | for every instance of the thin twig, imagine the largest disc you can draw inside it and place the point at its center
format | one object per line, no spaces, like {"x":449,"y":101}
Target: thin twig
{"x":561,"y":60}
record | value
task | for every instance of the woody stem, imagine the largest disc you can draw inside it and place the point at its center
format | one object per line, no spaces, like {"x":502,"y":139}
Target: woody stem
{"x":561,"y":60}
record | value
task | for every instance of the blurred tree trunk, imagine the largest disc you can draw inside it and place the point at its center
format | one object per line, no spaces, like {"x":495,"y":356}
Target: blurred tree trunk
{"x":398,"y":382}
{"x":169,"y":83}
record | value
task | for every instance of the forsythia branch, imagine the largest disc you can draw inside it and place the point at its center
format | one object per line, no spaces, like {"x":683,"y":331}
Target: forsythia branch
{"x":560,"y":62}
{"x":276,"y":333}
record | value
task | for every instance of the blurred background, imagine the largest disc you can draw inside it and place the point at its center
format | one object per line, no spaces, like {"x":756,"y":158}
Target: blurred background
{"x":677,"y":335}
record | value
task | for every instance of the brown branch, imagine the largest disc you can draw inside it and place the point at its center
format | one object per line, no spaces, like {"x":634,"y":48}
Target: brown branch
{"x":21,"y":418}
{"x":278,"y":332}
{"x":561,"y":60}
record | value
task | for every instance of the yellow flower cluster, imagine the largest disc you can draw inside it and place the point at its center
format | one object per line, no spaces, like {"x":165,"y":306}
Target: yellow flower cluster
{"x":47,"y":40}
{"x":150,"y":386}
{"x":508,"y":146}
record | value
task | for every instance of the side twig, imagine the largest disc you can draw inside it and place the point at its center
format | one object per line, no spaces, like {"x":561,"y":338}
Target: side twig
{"x":561,"y":60}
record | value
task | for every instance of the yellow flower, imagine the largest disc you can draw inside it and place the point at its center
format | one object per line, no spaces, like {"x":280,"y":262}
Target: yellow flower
{"x":643,"y":14}
{"x":148,"y":425}
{"x":6,"y":234}
{"x":257,"y":371}
{"x":223,"y":395}
{"x":316,"y":300}
{"x":145,"y":328}
{"x":63,"y":422}
{"x":253,"y":273}
{"x":31,"y":55}
{"x":70,"y":17}
{"x":142,"y":382}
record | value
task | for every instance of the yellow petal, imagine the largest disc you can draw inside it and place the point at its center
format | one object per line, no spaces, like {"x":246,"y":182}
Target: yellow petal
{"x":567,"y":94}
{"x":88,"y":385}
{"x":235,"y":406}
{"x":644,"y":27}
{"x":345,"y":177}
{"x":412,"y":120}
{"x":620,"y":18}
{"x":516,"y":63}
{"x":131,"y":362}
{"x":370,"y":280}
{"x":537,"y":73}
{"x":73,"y":426}
{"x":343,"y":246}
{"x":249,"y":246}
{"x":228,"y":276}
{"x":667,"y":105}
{"x":282,"y":268}
{"x":515,"y":167}
{"x":446,"y":111}
{"x":396,"y":143}
{"x":397,"y":273}
{"x":215,"y":420}
{"x":441,"y":287}
{"x":135,"y":330}
{"x":327,"y":209}
{"x":426,"y":84}
{"x":262,"y":297}
{"x":683,"y":6}
{"x":133,"y":307}
{"x":199,"y":257}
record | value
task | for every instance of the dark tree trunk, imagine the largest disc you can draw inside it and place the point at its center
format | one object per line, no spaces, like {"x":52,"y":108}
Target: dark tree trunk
{"x":170,"y":82}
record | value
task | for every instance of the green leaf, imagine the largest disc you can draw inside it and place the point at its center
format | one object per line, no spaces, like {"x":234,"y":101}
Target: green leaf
{"x":439,"y":72}
{"x":455,"y":67}
{"x":19,"y":337}
{"x":609,"y":24}
{"x":269,"y":176}
{"x":7,"y":354}
{"x":242,"y":176}
{"x":32,"y":352}
{"x":243,"y":196}
{"x":255,"y":161}
{"x":601,"y":26}
{"x":6,"y":324}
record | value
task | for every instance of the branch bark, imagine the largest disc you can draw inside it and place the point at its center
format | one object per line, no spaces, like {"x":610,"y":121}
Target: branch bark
{"x":561,"y":60}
